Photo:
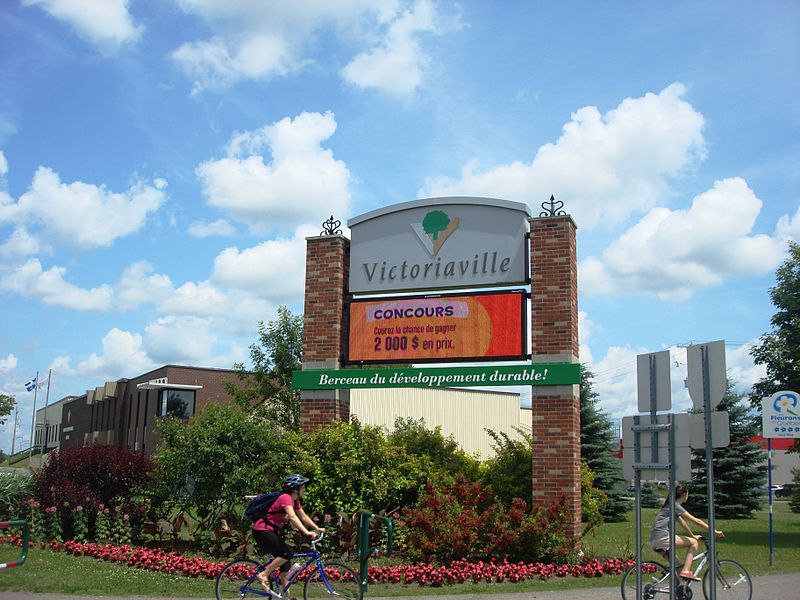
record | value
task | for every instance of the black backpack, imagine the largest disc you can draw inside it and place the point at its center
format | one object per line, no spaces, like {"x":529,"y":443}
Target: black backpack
{"x":259,"y":506}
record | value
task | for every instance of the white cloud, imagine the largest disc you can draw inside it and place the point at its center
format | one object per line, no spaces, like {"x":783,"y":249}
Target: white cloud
{"x":106,"y":23}
{"x":20,"y":244}
{"x":122,"y":356}
{"x":742,"y":370}
{"x":50,"y":287}
{"x":603,"y":167}
{"x":585,"y":327}
{"x":788,"y":227}
{"x":8,"y":364}
{"x":290,"y":190}
{"x":261,"y":40}
{"x":197,"y":299}
{"x":138,"y":285}
{"x":80,"y":214}
{"x":220,"y":227}
{"x":180,"y":340}
{"x":396,"y":63}
{"x":274,"y":269}
{"x":3,"y":164}
{"x":672,"y":253}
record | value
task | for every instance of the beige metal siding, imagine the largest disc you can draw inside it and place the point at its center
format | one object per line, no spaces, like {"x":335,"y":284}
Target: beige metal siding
{"x":464,"y":414}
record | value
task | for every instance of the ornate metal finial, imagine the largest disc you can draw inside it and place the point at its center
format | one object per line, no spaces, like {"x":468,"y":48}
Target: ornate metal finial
{"x":331,"y":227}
{"x":552,"y":208}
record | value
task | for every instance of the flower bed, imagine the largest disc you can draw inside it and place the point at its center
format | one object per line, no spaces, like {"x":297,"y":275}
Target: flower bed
{"x":460,"y":571}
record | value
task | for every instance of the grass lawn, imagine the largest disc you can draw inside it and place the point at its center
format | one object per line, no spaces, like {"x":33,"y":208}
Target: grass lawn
{"x":746,"y":541}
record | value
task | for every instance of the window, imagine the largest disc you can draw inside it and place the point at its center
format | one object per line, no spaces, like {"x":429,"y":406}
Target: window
{"x":176,"y":403}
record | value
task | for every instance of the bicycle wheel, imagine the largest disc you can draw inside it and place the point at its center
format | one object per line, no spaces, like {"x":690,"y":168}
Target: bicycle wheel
{"x":733,"y":581}
{"x":232,"y":578}
{"x":342,"y":581}
{"x":654,"y":577}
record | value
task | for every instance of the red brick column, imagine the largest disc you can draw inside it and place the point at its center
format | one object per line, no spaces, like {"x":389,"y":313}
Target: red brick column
{"x":554,"y":334}
{"x":325,"y":326}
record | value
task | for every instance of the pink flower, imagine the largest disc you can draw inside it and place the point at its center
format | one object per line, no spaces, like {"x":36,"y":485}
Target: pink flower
{"x":106,"y":511}
{"x":79,"y":508}
{"x":327,"y":518}
{"x":101,"y":506}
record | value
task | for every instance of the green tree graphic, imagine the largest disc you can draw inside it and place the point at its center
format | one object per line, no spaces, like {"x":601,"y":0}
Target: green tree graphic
{"x":435,"y":222}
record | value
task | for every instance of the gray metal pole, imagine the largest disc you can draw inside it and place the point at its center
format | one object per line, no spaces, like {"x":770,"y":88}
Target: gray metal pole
{"x":33,"y":419}
{"x":712,"y":538}
{"x":673,"y":579}
{"x":638,"y":509}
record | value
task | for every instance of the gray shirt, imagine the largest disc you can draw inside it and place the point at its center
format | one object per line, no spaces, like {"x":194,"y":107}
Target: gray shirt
{"x":660,"y":529}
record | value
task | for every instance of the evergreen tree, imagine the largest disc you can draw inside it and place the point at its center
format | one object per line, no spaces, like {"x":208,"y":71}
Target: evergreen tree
{"x":779,"y":350}
{"x":599,"y":439}
{"x":740,"y":475}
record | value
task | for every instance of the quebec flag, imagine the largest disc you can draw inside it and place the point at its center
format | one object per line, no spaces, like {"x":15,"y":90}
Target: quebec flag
{"x":29,"y":385}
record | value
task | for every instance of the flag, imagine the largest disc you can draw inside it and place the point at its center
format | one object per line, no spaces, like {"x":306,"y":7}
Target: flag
{"x":30,"y":385}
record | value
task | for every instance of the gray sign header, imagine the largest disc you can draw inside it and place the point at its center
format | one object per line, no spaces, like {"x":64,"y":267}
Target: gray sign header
{"x":437,"y":243}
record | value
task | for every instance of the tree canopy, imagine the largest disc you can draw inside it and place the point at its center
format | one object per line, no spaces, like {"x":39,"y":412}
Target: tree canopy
{"x":7,"y":404}
{"x":779,"y":349}
{"x":267,"y":386}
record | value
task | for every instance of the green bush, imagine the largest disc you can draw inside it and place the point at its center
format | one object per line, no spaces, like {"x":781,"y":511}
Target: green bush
{"x":509,"y":471}
{"x":15,"y":488}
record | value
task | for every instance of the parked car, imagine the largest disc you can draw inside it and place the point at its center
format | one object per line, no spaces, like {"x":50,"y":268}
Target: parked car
{"x":776,"y":487}
{"x":785,"y":491}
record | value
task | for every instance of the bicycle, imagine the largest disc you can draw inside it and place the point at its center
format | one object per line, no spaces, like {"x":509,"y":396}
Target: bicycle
{"x":733,"y":581}
{"x":238,"y":579}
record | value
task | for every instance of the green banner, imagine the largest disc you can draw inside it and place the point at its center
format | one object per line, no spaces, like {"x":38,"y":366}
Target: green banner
{"x":491,"y":376}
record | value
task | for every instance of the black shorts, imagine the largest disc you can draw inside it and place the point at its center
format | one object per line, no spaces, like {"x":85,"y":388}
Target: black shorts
{"x":269,"y":542}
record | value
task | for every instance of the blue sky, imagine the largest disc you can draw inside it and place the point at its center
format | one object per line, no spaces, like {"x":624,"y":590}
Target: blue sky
{"x":161,"y":164}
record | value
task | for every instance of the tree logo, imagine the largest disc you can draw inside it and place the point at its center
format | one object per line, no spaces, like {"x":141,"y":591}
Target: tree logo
{"x":786,"y":401}
{"x":434,"y":230}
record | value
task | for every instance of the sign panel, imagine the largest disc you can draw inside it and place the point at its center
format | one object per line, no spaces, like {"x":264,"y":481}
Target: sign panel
{"x":720,"y":430}
{"x":488,"y":326}
{"x":653,"y":381}
{"x":780,"y":415}
{"x":538,"y":374}
{"x":706,"y":366}
{"x":683,"y":462}
{"x":439,"y":243}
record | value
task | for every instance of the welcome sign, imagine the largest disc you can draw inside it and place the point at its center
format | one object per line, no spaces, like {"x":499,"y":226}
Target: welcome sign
{"x":439,"y":243}
{"x":780,"y":415}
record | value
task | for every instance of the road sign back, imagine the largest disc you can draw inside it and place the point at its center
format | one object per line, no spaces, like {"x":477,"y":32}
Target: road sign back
{"x":706,"y":366}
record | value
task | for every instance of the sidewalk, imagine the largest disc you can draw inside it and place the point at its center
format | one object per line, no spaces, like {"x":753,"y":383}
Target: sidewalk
{"x":765,"y":587}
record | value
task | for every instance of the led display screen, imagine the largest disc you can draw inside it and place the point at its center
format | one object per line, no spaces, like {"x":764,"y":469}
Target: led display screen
{"x":482,"y":326}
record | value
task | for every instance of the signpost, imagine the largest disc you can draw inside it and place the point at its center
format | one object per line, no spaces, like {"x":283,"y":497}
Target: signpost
{"x":707,"y":384}
{"x":780,"y":418}
{"x":667,"y":447}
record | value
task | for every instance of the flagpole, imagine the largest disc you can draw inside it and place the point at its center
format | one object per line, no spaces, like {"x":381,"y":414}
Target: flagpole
{"x":33,"y":419}
{"x":14,"y":435}
{"x":46,"y":399}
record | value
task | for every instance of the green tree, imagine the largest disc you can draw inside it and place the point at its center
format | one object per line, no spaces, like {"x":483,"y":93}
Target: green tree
{"x":794,"y":498}
{"x":740,"y":476}
{"x":779,"y":350}
{"x":267,"y":387}
{"x":435,"y":222}
{"x":599,"y":439}
{"x":509,"y":471}
{"x":7,"y":404}
{"x":211,"y":462}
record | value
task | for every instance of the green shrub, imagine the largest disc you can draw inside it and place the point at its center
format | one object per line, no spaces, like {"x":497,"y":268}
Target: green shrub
{"x":15,"y":488}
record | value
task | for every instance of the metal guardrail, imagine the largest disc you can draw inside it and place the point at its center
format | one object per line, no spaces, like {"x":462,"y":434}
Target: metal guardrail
{"x":26,"y":538}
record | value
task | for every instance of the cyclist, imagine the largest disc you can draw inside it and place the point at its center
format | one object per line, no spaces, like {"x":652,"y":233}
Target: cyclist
{"x":269,"y":532}
{"x":659,"y":535}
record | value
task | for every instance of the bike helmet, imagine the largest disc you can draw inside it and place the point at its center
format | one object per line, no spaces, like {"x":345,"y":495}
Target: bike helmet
{"x":292,"y":482}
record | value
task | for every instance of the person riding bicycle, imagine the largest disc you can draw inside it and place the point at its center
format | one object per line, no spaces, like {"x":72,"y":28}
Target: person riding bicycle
{"x":269,"y":532}
{"x":659,"y":535}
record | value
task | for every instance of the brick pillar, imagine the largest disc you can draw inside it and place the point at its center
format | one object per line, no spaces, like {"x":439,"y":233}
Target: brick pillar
{"x":325,"y":326}
{"x":554,"y":333}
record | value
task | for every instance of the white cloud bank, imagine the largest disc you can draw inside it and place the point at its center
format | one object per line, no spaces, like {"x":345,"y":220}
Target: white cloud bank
{"x":604,"y":167}
{"x":672,"y":253}
{"x":262,"y":40}
{"x":105,"y":23}
{"x":78,"y":214}
{"x":287,"y":191}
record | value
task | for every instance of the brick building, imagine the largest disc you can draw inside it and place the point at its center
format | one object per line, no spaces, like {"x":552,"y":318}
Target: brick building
{"x":125,"y":412}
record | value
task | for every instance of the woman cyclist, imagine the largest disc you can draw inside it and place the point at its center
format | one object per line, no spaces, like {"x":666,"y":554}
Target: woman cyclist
{"x":269,"y":532}
{"x":659,"y":535}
